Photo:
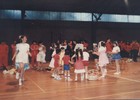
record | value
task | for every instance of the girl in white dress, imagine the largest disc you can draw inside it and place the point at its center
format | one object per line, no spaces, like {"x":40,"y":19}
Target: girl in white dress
{"x":103,"y":59}
{"x":41,"y":55}
{"x":51,"y":65}
{"x":21,"y":58}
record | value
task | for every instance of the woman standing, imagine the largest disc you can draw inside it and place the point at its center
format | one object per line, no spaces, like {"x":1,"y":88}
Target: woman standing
{"x":21,"y":58}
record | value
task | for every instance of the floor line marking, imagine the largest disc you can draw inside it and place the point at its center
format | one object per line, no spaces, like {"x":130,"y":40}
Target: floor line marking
{"x":59,"y":90}
{"x":132,"y":80}
{"x":124,"y":78}
{"x":37,"y":85}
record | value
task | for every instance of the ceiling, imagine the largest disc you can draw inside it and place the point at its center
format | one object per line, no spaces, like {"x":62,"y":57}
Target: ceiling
{"x":130,"y":7}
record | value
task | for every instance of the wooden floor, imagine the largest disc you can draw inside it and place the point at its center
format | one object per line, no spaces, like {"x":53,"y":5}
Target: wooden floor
{"x":40,"y":86}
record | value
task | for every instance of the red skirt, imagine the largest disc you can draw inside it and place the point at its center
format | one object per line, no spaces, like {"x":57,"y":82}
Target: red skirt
{"x":86,"y":63}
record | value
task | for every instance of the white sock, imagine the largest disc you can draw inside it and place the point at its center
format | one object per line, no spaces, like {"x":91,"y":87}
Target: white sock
{"x":17,"y":75}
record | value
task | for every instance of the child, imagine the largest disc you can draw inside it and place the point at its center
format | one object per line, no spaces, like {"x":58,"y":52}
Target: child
{"x":95,"y":57}
{"x":41,"y":55}
{"x":34,"y":52}
{"x":21,"y":58}
{"x":79,"y":67}
{"x":86,"y":62}
{"x":56,"y":65}
{"x":103,"y":59}
{"x":109,"y":47}
{"x":51,"y":65}
{"x":116,"y":56}
{"x":62,"y":53}
{"x":66,"y":60}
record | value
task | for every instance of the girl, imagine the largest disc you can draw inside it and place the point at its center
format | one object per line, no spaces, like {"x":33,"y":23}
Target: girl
{"x":51,"y":65}
{"x":41,"y":56}
{"x":109,"y":47}
{"x":103,"y":59}
{"x":79,"y":67}
{"x":62,"y":53}
{"x":86,"y":62}
{"x":95,"y":57}
{"x":21,"y":58}
{"x":116,"y":56}
{"x":56,"y":65}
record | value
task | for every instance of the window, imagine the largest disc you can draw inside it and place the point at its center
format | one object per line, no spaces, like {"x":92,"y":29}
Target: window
{"x":68,"y":16}
{"x":41,"y":15}
{"x":10,"y":14}
{"x":113,"y":18}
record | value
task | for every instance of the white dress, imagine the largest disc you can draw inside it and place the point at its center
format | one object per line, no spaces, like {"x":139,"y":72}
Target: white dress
{"x":103,"y":59}
{"x":41,"y":55}
{"x":22,"y":55}
{"x":85,"y":56}
{"x":52,"y":60}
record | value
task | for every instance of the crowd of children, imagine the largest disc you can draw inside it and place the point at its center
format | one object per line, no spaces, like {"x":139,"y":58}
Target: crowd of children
{"x":103,"y":53}
{"x":80,"y":59}
{"x":65,"y":54}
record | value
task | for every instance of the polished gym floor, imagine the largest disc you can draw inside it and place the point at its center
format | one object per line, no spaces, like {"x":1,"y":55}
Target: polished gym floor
{"x":39,"y":85}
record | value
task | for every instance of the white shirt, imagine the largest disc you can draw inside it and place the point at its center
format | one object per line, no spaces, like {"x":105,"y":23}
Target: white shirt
{"x":64,"y":46}
{"x":116,"y":49}
{"x":22,"y":55}
{"x":85,"y":56}
{"x":80,"y":46}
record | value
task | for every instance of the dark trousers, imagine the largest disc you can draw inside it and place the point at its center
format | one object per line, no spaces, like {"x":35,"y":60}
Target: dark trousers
{"x":134,"y":55}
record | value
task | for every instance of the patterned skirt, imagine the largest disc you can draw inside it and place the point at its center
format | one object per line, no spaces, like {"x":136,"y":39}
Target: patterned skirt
{"x":26,"y":66}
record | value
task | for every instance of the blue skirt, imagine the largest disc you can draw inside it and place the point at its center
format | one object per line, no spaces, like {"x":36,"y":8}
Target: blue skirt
{"x":116,"y":56}
{"x":26,"y":66}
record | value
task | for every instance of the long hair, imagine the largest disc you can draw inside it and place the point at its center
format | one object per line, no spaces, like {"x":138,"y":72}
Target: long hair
{"x":116,"y":43}
{"x":19,"y":40}
{"x":79,"y":54}
{"x":101,"y":43}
